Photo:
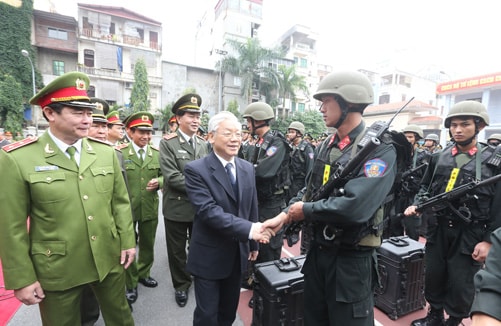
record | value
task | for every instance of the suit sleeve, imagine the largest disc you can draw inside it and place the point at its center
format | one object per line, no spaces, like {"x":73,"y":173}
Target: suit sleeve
{"x":208,"y":210}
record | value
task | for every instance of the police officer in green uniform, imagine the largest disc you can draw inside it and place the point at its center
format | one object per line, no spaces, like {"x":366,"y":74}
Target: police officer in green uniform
{"x":340,"y":268}
{"x":80,"y":225}
{"x":457,"y":245}
{"x":176,"y":150}
{"x":142,"y":165}
{"x":485,"y":309}
{"x":246,"y":141}
{"x":407,"y":189}
{"x":115,"y":128}
{"x":301,"y":165}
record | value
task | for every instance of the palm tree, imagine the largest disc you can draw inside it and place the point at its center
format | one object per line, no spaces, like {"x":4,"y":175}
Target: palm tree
{"x":290,"y":83}
{"x":250,"y":64}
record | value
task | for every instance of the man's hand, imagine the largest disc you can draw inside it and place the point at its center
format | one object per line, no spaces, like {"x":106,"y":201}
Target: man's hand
{"x":276,"y":223}
{"x":31,"y":294}
{"x":296,"y":212}
{"x":261,"y":234}
{"x":480,"y":251}
{"x":127,"y":257}
{"x":253,"y":255}
{"x":152,"y":185}
{"x":411,"y":210}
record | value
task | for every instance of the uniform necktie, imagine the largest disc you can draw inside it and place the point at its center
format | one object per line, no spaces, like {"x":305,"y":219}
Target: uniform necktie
{"x":192,"y":144}
{"x":141,"y":152}
{"x":71,"y":151}
{"x":233,"y":180}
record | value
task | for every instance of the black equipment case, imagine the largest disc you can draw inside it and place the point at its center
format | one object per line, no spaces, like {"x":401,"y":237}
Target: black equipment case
{"x":278,"y":293}
{"x":401,"y":271}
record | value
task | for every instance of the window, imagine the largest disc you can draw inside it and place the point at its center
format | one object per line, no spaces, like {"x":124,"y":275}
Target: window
{"x":57,"y":68}
{"x":89,"y":58}
{"x":300,"y":107}
{"x":58,"y":34}
{"x":303,"y":63}
{"x":92,"y":91}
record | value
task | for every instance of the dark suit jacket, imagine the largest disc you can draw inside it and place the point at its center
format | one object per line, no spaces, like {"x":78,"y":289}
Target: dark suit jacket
{"x":222,"y":224}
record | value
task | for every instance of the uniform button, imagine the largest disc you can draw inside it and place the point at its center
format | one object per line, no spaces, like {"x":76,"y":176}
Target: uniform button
{"x":48,"y":178}
{"x":93,"y":237}
{"x":48,"y":252}
{"x":90,"y":218}
{"x":178,"y":198}
{"x":80,"y":177}
{"x":85,"y":197}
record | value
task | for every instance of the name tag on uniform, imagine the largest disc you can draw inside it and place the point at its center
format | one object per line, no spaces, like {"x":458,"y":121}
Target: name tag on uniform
{"x":182,"y":151}
{"x":46,"y":168}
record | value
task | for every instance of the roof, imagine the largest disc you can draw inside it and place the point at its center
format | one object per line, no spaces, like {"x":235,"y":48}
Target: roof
{"x":120,"y":12}
{"x":433,"y":119}
{"x":414,"y":106}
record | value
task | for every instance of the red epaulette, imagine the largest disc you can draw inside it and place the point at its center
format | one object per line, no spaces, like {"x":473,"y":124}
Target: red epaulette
{"x":19,"y":144}
{"x":170,"y":136}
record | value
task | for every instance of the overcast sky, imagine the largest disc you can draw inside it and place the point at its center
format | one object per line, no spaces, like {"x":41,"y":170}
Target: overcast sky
{"x":458,"y":38}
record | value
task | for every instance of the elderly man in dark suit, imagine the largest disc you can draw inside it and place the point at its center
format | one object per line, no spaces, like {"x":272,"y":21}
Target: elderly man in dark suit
{"x":225,"y":229}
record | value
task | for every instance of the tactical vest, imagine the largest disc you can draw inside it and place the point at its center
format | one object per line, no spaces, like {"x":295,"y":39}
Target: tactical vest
{"x":481,"y":166}
{"x":367,"y":235}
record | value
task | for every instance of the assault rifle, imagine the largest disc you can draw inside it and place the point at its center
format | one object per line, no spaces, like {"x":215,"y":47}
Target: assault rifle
{"x":405,"y":178}
{"x":342,"y":174}
{"x":463,"y":193}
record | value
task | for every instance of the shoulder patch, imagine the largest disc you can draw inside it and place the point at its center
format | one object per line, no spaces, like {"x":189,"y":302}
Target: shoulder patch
{"x":19,"y":144}
{"x":375,"y":168}
{"x":154,"y":148}
{"x":271,"y":151}
{"x":170,"y":136}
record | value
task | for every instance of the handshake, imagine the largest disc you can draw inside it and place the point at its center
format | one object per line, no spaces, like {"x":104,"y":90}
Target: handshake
{"x":262,"y":232}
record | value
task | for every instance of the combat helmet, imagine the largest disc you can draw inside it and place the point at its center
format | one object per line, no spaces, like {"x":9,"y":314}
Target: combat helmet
{"x":495,"y":136}
{"x":352,"y":86}
{"x":433,"y":137}
{"x":259,"y":111}
{"x":297,"y":126}
{"x":415,"y":129}
{"x":467,"y":108}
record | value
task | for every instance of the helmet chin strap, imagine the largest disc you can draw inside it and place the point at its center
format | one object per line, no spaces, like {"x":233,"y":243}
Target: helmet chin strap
{"x":469,"y":140}
{"x":254,"y":127}
{"x":344,"y":111}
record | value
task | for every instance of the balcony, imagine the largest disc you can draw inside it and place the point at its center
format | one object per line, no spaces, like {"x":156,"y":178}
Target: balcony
{"x":120,"y":39}
{"x":116,"y":75}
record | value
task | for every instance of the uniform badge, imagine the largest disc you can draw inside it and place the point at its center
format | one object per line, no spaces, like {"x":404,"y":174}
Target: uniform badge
{"x":310,"y":155}
{"x":46,"y":168}
{"x":375,"y":168}
{"x":271,"y":151}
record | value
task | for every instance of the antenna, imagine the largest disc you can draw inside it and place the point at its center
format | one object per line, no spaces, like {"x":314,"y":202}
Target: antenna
{"x":399,"y":110}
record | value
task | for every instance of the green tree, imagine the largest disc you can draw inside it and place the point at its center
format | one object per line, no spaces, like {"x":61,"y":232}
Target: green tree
{"x":11,"y":104}
{"x":139,"y":95}
{"x":289,"y":83}
{"x":164,"y":116}
{"x":250,"y":64}
{"x":233,"y":107}
{"x":312,"y":120}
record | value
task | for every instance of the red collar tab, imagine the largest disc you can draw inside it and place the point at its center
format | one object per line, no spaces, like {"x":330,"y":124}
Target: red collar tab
{"x":471,"y":152}
{"x":344,"y":142}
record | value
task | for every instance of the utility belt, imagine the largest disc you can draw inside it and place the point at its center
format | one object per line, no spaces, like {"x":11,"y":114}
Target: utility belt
{"x":448,"y":214}
{"x":329,"y":236}
{"x":452,"y":221}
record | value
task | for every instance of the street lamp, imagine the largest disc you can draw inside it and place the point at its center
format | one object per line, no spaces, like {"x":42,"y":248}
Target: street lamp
{"x":220,"y":104}
{"x":33,"y":108}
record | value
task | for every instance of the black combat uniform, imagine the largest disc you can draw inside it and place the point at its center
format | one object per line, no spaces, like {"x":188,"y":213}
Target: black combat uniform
{"x":340,"y":268}
{"x":451,"y":238}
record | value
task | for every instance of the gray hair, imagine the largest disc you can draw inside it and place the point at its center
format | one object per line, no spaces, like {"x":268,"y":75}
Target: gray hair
{"x":216,"y":120}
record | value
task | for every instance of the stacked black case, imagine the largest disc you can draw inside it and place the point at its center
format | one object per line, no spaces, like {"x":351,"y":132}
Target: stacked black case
{"x":401,"y":270}
{"x":278,"y":293}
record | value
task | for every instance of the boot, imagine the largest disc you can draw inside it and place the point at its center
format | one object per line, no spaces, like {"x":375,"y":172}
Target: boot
{"x":454,"y":321}
{"x":435,"y":317}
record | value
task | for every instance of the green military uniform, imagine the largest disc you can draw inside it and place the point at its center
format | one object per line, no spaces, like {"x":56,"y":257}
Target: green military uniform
{"x":144,"y":203}
{"x":175,"y":153}
{"x":80,"y":219}
{"x":78,"y":209}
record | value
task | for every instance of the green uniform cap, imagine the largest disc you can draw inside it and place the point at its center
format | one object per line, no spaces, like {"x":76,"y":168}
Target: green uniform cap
{"x":114,"y":118}
{"x":141,"y":120}
{"x":69,"y":89}
{"x":187,"y":103}
{"x":100,"y":111}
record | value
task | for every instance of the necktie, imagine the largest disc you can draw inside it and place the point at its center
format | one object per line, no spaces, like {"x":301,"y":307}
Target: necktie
{"x":233,"y":180}
{"x":141,"y":159}
{"x":71,"y":151}
{"x":192,"y":144}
